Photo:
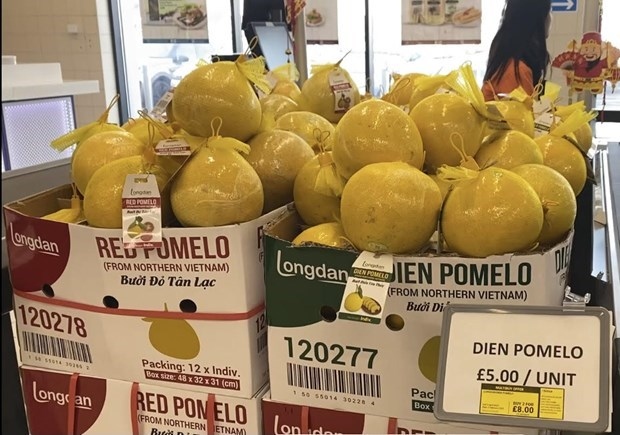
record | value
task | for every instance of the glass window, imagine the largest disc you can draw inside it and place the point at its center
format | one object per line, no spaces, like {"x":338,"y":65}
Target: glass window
{"x":328,"y":43}
{"x":391,"y":56}
{"x":151,"y":68}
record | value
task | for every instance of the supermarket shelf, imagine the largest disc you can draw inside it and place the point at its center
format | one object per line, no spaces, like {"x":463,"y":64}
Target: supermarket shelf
{"x":68,"y":87}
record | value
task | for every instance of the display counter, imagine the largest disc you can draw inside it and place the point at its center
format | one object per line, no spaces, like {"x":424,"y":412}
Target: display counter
{"x":37,"y":107}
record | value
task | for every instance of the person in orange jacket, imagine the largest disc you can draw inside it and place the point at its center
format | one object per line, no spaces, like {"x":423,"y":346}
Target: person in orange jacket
{"x":518,"y":54}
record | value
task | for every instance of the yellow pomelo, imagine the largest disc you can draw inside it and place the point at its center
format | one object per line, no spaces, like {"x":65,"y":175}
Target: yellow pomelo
{"x":564,"y":157}
{"x":390,"y":207}
{"x":438,"y":117}
{"x":419,"y":94}
{"x":518,"y":116}
{"x":100,"y":128}
{"x":557,"y":198}
{"x":314,"y":207}
{"x":376,"y":131}
{"x":216,"y":187}
{"x":305,"y":125}
{"x":444,"y":186}
{"x":277,"y":156}
{"x":95,"y":129}
{"x":317,"y":95}
{"x":217,"y":90}
{"x":401,"y":90}
{"x":288,"y":89}
{"x":141,"y":130}
{"x":103,"y":196}
{"x":277,"y":104}
{"x":100,"y":149}
{"x":495,"y":213}
{"x":509,"y":149}
{"x":327,"y":234}
{"x":583,"y":136}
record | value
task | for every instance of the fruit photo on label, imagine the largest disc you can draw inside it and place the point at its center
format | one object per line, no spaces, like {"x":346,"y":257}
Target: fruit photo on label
{"x":354,"y":300}
{"x":371,"y":306}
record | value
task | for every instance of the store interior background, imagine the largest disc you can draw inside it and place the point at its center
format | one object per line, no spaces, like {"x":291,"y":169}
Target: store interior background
{"x":36,"y":31}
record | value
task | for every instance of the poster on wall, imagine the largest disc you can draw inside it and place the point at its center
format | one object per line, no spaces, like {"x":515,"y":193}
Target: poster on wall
{"x":441,"y":21}
{"x":174,"y":21}
{"x":322,"y":21}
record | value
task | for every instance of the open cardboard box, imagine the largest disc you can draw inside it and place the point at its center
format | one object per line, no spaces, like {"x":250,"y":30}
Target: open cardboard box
{"x":386,"y":369}
{"x":106,"y":406}
{"x":286,"y":418}
{"x":84,"y":300}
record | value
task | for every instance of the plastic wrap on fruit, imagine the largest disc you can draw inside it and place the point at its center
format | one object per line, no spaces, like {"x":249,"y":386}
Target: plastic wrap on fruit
{"x":217,"y":186}
{"x":103,"y":195}
{"x":274,"y":106}
{"x":461,"y":111}
{"x":77,"y":136}
{"x":277,"y":156}
{"x":376,"y":131}
{"x":491,"y":211}
{"x":328,"y":181}
{"x":562,"y":152}
{"x":314,"y":207}
{"x":304,"y":124}
{"x":390,"y":207}
{"x":225,"y":90}
{"x":425,"y":86}
{"x":330,"y":92}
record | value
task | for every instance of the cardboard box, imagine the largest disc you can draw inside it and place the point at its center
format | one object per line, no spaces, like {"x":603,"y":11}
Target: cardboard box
{"x":199,"y":352}
{"x":317,"y":359}
{"x":215,"y":270}
{"x":283,"y":418}
{"x":104,"y":406}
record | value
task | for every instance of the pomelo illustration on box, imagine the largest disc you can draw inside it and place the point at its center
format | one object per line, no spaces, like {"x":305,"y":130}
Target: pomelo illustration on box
{"x":174,"y":338}
{"x":188,"y":351}
{"x":215,"y":270}
{"x":317,"y":359}
{"x":59,"y":403}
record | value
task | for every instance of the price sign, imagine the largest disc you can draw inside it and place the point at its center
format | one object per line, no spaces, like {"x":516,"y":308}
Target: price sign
{"x":547,"y":368}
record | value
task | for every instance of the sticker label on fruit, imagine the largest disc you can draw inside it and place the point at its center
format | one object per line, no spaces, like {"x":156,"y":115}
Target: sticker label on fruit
{"x":173,"y":147}
{"x":342,"y":89}
{"x":367,"y":288}
{"x":159,"y":111}
{"x":542,"y":124}
{"x":141,"y":212}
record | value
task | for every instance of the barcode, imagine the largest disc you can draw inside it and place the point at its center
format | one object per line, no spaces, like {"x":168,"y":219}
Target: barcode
{"x":261,"y":342}
{"x":57,"y":347}
{"x":336,"y":381}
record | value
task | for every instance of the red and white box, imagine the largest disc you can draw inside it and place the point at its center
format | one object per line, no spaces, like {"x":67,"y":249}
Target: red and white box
{"x":65,"y":403}
{"x":218,"y":269}
{"x":84,"y":303}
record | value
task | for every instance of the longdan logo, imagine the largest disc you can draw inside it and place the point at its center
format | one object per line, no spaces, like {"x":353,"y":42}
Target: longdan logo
{"x":37,"y":244}
{"x":62,"y":399}
{"x":310,"y":272}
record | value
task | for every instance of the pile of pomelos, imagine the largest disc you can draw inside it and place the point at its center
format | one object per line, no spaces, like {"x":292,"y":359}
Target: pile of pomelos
{"x":382,"y":174}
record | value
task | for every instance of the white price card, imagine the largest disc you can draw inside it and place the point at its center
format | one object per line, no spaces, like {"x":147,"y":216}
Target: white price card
{"x":540,"y":367}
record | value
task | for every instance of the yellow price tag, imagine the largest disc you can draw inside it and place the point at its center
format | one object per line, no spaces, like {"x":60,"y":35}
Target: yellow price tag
{"x":517,"y":401}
